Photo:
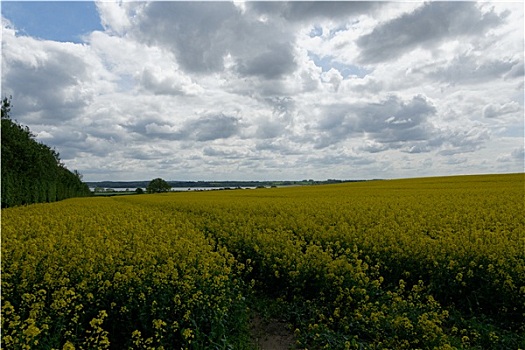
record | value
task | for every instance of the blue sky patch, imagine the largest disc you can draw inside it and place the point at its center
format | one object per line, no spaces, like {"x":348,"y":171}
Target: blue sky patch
{"x":316,"y":31}
{"x":327,"y":62}
{"x":65,"y":21}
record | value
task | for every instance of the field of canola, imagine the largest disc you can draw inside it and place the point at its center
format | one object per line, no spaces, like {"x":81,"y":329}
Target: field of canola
{"x":433,"y":263}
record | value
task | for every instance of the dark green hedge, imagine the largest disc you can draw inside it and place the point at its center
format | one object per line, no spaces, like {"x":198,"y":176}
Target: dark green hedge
{"x":31,"y":171}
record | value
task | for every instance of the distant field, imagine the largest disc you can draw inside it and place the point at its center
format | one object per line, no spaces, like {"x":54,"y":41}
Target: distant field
{"x":430,"y":263}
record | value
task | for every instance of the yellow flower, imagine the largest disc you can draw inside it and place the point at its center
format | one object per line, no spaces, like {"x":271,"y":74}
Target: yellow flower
{"x":68,"y":346}
{"x":187,"y":333}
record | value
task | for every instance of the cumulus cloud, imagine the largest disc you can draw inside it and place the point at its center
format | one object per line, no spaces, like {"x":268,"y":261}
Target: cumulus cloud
{"x":312,"y":10}
{"x":48,"y":79}
{"x":116,"y":16}
{"x":440,"y":20}
{"x":496,"y":110}
{"x":201,"y":35}
{"x":269,"y":129}
{"x":275,"y":62}
{"x":469,"y":69}
{"x":167,"y":82}
{"x":388,"y":123}
{"x":205,"y":128}
{"x":196,"y":32}
{"x":517,"y":71}
{"x":261,"y":90}
{"x":518,"y":154}
{"x":212,"y":127}
{"x":464,"y":141}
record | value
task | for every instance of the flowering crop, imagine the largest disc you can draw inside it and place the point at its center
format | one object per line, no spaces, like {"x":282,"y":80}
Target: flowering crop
{"x":93,"y":273}
{"x":420,"y":263}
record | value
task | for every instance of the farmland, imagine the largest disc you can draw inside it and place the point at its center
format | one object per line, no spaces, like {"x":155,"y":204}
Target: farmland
{"x":431,"y":263}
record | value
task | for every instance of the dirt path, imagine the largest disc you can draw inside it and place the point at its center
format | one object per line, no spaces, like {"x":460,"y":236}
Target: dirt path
{"x":271,"y":334}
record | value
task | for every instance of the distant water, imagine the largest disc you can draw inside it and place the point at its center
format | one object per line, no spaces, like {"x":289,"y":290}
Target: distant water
{"x":173,"y":189}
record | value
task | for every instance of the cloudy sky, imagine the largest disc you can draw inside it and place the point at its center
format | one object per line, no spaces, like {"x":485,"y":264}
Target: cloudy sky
{"x":269,"y":90}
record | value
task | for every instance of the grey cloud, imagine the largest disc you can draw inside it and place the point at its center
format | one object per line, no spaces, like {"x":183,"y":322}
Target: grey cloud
{"x":281,"y":104}
{"x":339,"y":159}
{"x":264,"y":89}
{"x":146,"y":154}
{"x":269,"y":129}
{"x":53,"y":85}
{"x":260,"y":40}
{"x":463,"y":141}
{"x":391,"y":121}
{"x":307,"y":10}
{"x":268,"y":146}
{"x":202,"y":34}
{"x":213,"y":127}
{"x":283,"y":112}
{"x":418,"y":147}
{"x":195,"y":31}
{"x":455,"y":160}
{"x":221,"y":153}
{"x":429,"y":24}
{"x":374,"y":147}
{"x":50,"y":88}
{"x":206,"y":128}
{"x":396,"y":120}
{"x":279,"y":146}
{"x":273,"y":63}
{"x":70,"y":142}
{"x":497,"y":110}
{"x":141,"y":127}
{"x":66,"y":142}
{"x":517,"y":71}
{"x":160,"y":86}
{"x":467,"y":69}
{"x":212,"y":152}
{"x":336,"y":116}
{"x":107,"y":133}
{"x":518,"y":154}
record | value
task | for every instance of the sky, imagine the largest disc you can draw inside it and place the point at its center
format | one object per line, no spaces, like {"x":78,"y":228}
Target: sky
{"x":269,"y":90}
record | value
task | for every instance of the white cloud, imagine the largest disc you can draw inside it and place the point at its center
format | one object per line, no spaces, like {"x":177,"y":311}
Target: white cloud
{"x":117,"y":16}
{"x":50,"y":80}
{"x":187,"y":90}
{"x":498,"y":110}
{"x":167,"y":82}
{"x":441,"y":21}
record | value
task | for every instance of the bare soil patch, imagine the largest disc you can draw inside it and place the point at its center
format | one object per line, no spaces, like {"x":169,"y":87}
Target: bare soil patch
{"x":271,"y":334}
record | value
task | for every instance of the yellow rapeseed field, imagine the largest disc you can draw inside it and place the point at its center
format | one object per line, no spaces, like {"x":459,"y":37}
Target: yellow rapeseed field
{"x":431,"y":263}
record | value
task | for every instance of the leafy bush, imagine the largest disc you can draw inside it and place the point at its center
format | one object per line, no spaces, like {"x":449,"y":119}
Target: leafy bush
{"x":158,"y":185}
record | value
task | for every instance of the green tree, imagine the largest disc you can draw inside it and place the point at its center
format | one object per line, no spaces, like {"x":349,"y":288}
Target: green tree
{"x":31,"y":171}
{"x":158,"y":185}
{"x":139,"y":190}
{"x":6,"y":107}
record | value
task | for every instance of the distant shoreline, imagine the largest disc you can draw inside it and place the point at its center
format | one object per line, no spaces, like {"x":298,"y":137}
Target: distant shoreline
{"x":132,"y":185}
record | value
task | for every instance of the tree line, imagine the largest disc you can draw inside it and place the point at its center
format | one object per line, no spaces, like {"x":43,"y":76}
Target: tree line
{"x":32,"y":171}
